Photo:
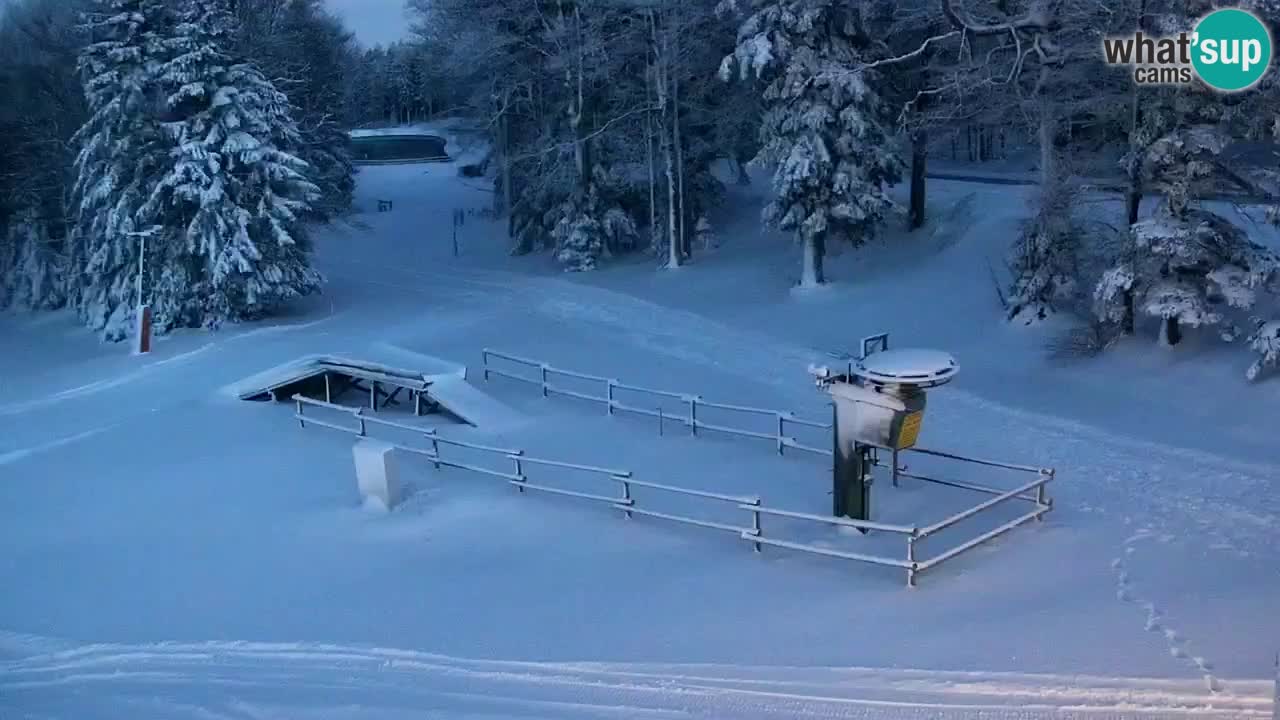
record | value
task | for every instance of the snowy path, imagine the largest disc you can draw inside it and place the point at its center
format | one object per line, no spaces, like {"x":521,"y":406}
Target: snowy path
{"x":299,"y":680}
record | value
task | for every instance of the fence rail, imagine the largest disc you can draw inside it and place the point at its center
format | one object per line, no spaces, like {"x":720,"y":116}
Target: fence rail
{"x":1033,"y":492}
{"x":688,"y":417}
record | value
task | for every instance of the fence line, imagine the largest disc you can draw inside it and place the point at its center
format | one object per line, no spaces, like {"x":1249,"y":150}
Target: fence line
{"x":753,"y":533}
{"x":778,"y":436}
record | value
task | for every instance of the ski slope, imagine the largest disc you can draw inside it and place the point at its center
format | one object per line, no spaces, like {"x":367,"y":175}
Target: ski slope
{"x":180,"y":553}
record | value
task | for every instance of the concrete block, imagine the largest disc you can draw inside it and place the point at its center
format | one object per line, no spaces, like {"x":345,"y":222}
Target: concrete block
{"x":377,"y":474}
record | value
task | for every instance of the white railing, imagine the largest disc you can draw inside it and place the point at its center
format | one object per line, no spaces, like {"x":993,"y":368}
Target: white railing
{"x":1033,"y":492}
{"x":779,"y":421}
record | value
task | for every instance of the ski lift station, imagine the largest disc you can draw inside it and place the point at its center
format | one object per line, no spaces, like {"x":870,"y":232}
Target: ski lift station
{"x":878,"y":402}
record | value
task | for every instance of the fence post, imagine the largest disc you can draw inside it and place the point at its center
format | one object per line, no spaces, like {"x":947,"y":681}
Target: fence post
{"x":911,"y":560}
{"x":659,"y":421}
{"x":301,"y":423}
{"x":1041,"y":497}
{"x":693,"y":414}
{"x":609,"y":395}
{"x":484,"y":363}
{"x":894,"y":460}
{"x":781,"y":430}
{"x":755,"y":522}
{"x":435,"y":447}
{"x":626,"y":495}
{"x":543,"y":369}
{"x":360,"y":419}
{"x":519,"y":471}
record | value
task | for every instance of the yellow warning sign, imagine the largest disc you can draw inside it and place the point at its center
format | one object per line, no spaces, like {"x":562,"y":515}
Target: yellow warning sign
{"x":910,"y":429}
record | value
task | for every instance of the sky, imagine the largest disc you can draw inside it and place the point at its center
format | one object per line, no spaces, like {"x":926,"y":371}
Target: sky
{"x":374,"y":22}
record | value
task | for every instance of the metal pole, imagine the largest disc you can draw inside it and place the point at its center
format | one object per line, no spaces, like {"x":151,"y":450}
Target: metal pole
{"x":626,"y":496}
{"x":435,"y":448}
{"x":301,"y":423}
{"x":609,"y":395}
{"x":142,"y":254}
{"x":755,"y":524}
{"x":659,"y":421}
{"x":911,"y":561}
{"x":1042,"y":499}
{"x":693,"y":414}
{"x":895,"y":467}
{"x":544,"y":380}
{"x":780,"y":432}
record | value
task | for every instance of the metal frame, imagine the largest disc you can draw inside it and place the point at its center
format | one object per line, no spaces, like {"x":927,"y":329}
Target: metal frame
{"x":1033,"y":492}
{"x":779,"y":437}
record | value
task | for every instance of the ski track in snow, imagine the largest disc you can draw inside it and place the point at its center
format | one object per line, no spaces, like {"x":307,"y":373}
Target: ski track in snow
{"x":320,"y":676}
{"x":98,"y":386}
{"x":13,"y":456}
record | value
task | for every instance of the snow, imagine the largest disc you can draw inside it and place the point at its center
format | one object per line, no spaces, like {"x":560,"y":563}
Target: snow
{"x":377,"y":473}
{"x":904,"y":363}
{"x":180,"y":553}
{"x":477,"y":408}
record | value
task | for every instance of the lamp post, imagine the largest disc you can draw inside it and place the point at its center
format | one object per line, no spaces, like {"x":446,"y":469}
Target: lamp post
{"x":142,"y":328}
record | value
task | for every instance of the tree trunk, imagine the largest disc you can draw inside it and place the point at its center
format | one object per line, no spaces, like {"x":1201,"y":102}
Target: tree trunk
{"x":1170,"y":332}
{"x":651,"y":162}
{"x":507,"y":200}
{"x":686,"y":247}
{"x":811,"y":272}
{"x":743,"y":178}
{"x":1048,"y":156}
{"x":919,"y":156}
{"x":1133,"y":195}
{"x":662,"y":66}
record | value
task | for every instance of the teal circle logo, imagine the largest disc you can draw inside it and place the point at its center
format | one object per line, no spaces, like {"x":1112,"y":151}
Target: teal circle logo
{"x":1231,"y":49}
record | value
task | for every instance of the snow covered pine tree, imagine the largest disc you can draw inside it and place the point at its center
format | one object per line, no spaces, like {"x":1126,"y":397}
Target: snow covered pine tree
{"x":233,"y":192}
{"x":824,"y":128}
{"x":121,"y":152}
{"x":1184,"y":264}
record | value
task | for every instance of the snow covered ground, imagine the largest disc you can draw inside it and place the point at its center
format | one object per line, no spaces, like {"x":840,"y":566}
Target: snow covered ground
{"x":171,"y":551}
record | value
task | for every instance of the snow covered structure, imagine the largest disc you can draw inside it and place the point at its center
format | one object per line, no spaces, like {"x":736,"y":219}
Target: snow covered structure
{"x":377,"y":475}
{"x":825,"y":130}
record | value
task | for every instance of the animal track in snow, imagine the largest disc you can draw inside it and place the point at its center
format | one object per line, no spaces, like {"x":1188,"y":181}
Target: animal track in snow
{"x":1127,"y":592}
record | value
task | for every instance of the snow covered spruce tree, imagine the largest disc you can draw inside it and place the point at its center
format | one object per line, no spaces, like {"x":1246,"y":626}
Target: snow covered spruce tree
{"x":122,"y":151}
{"x":232,"y":192}
{"x":825,"y":129}
{"x":1186,"y":265}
